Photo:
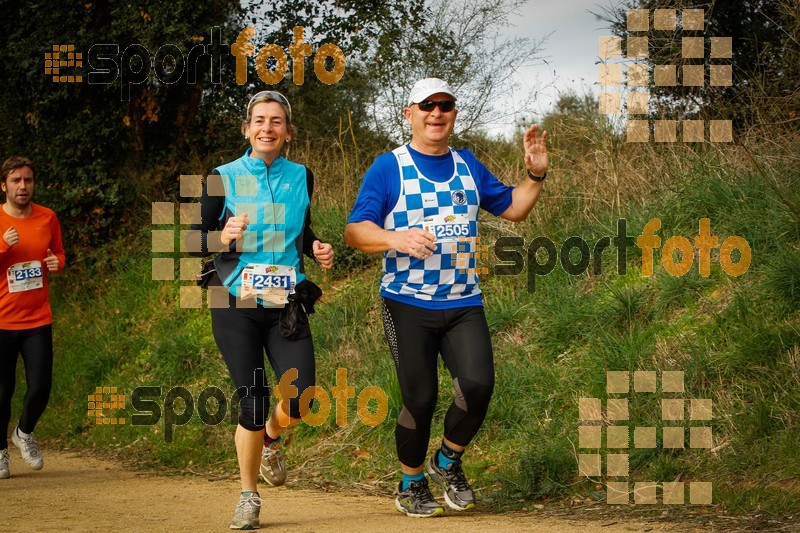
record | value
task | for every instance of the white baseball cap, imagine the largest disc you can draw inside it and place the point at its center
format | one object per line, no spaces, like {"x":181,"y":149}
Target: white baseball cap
{"x":427,"y":87}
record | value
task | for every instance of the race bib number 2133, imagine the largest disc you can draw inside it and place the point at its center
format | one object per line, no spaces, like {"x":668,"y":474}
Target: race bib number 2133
{"x":25,"y":276}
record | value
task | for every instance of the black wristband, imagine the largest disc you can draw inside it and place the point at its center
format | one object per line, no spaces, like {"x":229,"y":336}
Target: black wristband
{"x":537,"y":179}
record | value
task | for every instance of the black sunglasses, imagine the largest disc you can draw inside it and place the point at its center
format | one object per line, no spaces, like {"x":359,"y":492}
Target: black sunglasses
{"x":429,"y":105}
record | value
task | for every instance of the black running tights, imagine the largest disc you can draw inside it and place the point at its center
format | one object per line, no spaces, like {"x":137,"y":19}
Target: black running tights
{"x":36,"y":347}
{"x":416,"y":337}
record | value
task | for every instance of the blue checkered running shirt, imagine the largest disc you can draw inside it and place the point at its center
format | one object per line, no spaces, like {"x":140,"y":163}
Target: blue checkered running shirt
{"x":449,"y":210}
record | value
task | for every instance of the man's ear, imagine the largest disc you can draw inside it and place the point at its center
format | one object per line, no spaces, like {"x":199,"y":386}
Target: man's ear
{"x":407,"y":114}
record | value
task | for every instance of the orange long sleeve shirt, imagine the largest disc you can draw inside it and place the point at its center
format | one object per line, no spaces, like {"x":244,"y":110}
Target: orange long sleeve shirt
{"x":23,"y":305}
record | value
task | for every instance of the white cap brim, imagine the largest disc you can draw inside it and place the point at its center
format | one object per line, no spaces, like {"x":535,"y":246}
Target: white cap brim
{"x":427,"y":87}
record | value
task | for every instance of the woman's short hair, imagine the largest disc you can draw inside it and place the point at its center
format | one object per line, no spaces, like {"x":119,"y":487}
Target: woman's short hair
{"x":269,"y":96}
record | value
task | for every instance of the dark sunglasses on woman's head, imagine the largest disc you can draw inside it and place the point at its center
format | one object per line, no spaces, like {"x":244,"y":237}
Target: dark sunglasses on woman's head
{"x":444,"y":105}
{"x":275,"y":95}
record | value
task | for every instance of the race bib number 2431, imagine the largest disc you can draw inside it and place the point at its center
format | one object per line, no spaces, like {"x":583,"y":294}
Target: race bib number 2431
{"x":272,"y":283}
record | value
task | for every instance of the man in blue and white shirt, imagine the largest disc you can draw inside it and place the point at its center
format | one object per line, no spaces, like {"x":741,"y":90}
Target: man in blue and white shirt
{"x":419,"y":205}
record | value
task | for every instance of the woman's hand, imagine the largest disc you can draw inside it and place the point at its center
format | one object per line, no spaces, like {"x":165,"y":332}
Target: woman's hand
{"x":323,"y":253}
{"x":234,"y":229}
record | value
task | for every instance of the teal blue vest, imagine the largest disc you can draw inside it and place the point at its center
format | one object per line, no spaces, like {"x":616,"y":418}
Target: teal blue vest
{"x":275,"y":199}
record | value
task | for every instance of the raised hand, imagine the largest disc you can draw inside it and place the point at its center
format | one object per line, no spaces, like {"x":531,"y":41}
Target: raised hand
{"x":535,"y":151}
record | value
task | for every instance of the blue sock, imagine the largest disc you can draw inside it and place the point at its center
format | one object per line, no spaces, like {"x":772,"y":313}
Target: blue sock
{"x":446,"y":455}
{"x":269,"y":441}
{"x":410,"y":478}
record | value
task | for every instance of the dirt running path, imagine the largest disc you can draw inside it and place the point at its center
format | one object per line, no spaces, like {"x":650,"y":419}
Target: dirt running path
{"x":74,"y":493}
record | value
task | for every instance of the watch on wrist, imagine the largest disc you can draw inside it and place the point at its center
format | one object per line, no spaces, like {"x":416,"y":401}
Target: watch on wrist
{"x":537,"y":179}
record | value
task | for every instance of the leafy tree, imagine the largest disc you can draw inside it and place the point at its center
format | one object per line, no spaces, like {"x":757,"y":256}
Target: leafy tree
{"x":148,"y":109}
{"x":456,"y":40}
{"x":355,"y":27}
{"x":105,"y":147}
{"x":96,"y":143}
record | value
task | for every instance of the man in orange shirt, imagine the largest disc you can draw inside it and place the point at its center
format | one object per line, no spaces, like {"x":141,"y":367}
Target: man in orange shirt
{"x":30,"y":249}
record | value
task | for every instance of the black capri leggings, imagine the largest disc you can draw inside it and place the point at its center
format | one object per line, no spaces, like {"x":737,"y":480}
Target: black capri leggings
{"x":243,"y":335}
{"x":416,"y":336}
{"x":36,"y":347}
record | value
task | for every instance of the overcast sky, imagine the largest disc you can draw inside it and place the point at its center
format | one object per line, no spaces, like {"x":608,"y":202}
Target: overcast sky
{"x":570,"y":50}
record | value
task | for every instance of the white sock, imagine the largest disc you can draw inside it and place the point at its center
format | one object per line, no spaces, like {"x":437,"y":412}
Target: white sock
{"x":22,"y":435}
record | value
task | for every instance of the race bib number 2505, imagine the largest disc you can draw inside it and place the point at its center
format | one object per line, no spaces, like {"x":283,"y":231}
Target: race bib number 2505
{"x":447,"y":227}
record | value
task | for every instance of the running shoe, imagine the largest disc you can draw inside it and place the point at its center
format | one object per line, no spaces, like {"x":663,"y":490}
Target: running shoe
{"x":29,"y":449}
{"x":417,"y":500}
{"x":457,"y":492}
{"x":245,"y":516}
{"x":273,"y":465}
{"x":4,"y":471}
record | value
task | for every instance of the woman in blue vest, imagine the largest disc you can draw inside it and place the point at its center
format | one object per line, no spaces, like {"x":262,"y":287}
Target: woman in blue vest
{"x":261,"y":203}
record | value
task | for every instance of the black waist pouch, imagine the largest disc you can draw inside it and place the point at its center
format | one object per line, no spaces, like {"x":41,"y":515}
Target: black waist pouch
{"x":294,"y":316}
